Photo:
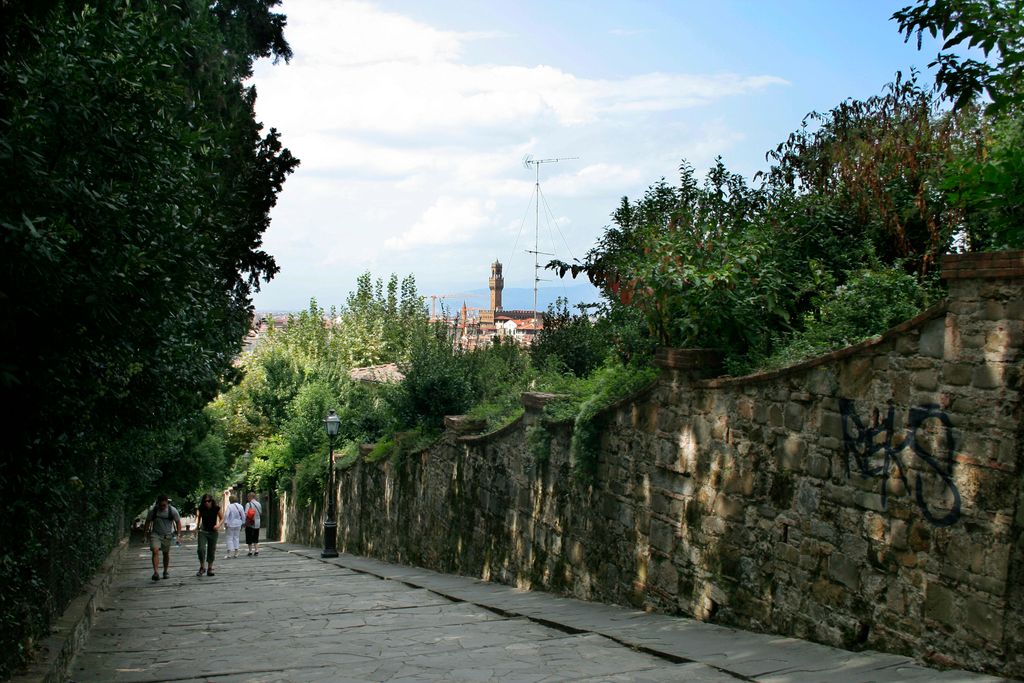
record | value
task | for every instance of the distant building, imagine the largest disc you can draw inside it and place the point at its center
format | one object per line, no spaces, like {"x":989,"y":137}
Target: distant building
{"x":261,"y":324}
{"x":514,"y":325}
{"x":521,"y":330}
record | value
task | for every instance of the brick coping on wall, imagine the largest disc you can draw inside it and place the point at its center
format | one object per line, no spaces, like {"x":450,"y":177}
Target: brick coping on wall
{"x":988,"y":265}
{"x":982,"y":265}
{"x":480,"y":438}
{"x":535,"y":406}
{"x":936,"y":311}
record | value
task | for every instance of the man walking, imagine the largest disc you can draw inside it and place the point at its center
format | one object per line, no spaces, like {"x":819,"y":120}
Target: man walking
{"x":253,"y":512}
{"x":162,"y":524}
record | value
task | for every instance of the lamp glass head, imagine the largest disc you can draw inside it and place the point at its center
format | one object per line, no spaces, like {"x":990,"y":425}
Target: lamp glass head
{"x":332,"y":423}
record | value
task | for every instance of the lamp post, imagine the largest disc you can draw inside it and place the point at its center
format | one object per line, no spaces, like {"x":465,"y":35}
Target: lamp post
{"x":331,"y":423}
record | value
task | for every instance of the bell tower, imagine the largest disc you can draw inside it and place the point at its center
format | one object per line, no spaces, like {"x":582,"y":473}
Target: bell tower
{"x":497,"y":283}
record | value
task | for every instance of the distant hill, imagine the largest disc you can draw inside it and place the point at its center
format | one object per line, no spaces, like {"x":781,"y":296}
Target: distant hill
{"x":512,"y":298}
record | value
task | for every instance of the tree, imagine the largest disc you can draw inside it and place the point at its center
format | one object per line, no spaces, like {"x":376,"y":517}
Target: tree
{"x":699,"y":260}
{"x":574,"y":342}
{"x":996,"y":27}
{"x":986,"y":180}
{"x":304,"y":431}
{"x":374,"y":327}
{"x":878,"y":166}
{"x":437,"y":381}
{"x":990,"y":190}
{"x":137,"y":187}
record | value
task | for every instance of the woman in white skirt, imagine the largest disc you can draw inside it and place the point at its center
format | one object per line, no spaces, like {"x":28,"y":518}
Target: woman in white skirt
{"x":234,"y":518}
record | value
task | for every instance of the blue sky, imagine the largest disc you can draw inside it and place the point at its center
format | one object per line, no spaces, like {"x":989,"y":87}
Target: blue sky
{"x":412,"y":119}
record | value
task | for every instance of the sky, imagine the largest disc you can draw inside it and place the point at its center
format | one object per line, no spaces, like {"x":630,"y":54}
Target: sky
{"x":412,"y":121}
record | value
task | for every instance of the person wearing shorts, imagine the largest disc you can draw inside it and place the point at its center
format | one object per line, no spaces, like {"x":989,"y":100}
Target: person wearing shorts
{"x":252,"y":524}
{"x":163,"y":524}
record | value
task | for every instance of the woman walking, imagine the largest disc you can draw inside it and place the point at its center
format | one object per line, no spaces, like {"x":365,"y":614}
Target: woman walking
{"x":233,"y":521}
{"x":253,"y":511}
{"x":209,"y":518}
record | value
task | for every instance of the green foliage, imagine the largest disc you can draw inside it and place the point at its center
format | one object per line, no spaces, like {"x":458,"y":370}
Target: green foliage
{"x":990,"y":191}
{"x":306,"y":348}
{"x":368,"y":412}
{"x":500,"y":411}
{"x":208,"y":461}
{"x":538,"y":440}
{"x":996,"y":27}
{"x":201,"y":462}
{"x":878,"y":165}
{"x":436,"y":382}
{"x":892,"y":181}
{"x":574,"y":341}
{"x":301,"y":370}
{"x":304,"y":430}
{"x":626,"y":332}
{"x":414,"y":441}
{"x":311,"y":478}
{"x":698,"y":260}
{"x":382,"y":449}
{"x":399,"y":445}
{"x":871,"y":302}
{"x":984,"y":180}
{"x":377,"y":327}
{"x":584,"y":404}
{"x":499,"y":373}
{"x":347,"y":456}
{"x":137,"y":186}
{"x":269,"y":466}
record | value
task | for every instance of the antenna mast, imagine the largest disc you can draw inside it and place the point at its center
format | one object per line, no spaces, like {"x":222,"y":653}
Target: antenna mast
{"x":529,"y":161}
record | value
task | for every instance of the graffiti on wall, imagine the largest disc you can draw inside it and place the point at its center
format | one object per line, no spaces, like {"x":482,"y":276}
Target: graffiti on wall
{"x":878,"y":451}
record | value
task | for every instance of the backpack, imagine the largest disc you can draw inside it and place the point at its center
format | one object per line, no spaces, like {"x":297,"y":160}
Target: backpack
{"x":250,"y":515}
{"x":151,"y":517}
{"x":171,"y":512}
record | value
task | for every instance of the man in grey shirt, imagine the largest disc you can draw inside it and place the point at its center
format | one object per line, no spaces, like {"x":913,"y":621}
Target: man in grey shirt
{"x":162,"y":524}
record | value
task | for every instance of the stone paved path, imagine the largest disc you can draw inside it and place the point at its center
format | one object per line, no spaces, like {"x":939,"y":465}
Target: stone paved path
{"x":287,"y":615}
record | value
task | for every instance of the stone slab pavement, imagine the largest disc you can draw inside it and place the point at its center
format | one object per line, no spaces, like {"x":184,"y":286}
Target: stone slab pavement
{"x":288,"y":615}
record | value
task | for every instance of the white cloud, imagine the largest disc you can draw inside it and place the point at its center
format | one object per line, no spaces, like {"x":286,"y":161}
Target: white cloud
{"x":412,"y":156}
{"x":448,"y":221}
{"x":358,"y":68}
{"x":404,"y":97}
{"x":340,"y":34}
{"x":593,"y":179}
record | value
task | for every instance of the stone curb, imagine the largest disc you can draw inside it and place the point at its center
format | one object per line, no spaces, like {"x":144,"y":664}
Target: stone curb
{"x":745,"y":655}
{"x":68,"y":633}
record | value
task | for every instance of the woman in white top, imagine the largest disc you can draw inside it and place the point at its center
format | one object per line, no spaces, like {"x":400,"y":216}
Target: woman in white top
{"x":233,"y":520}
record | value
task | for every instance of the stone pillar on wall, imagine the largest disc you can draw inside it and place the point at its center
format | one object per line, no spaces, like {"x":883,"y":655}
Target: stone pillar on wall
{"x":981,"y":348}
{"x":982,"y":353}
{"x":681,"y":366}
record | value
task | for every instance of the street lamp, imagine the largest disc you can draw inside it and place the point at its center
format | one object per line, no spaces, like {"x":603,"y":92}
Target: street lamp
{"x":331,"y":423}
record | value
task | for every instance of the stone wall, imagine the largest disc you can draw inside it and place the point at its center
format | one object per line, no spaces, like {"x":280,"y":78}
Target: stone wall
{"x":870,"y":498}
